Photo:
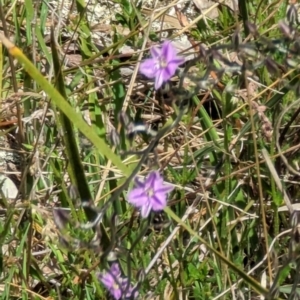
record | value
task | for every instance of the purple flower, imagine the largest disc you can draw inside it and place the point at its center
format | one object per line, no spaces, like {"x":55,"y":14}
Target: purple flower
{"x":162,"y":65}
{"x":117,"y":285}
{"x":150,"y":194}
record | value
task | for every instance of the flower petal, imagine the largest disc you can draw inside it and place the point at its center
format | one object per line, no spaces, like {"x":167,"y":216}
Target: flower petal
{"x":156,"y":52}
{"x":178,"y":60}
{"x":137,"y":197}
{"x":115,"y":270}
{"x":150,"y":180}
{"x":149,"y":68}
{"x":170,"y":70}
{"x":145,"y":210}
{"x":158,"y":202}
{"x":107,"y":280}
{"x":165,"y":189}
{"x":159,"y":80}
{"x":116,"y":293}
{"x":158,"y":182}
{"x":168,"y":52}
{"x":127,"y":289}
{"x":139,"y":183}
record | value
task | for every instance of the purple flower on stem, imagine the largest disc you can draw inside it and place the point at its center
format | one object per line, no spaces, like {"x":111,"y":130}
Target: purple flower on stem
{"x":117,"y":285}
{"x":150,"y":194}
{"x":162,"y":65}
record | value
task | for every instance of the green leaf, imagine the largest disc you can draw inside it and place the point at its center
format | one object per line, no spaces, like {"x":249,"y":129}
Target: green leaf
{"x":195,"y":273}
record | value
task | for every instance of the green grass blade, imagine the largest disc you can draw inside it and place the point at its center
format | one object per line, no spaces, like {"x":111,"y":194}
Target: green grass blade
{"x":64,"y":106}
{"x":75,"y":167}
{"x":253,"y":283}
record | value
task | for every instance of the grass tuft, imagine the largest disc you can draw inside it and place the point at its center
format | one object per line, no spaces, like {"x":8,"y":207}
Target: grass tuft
{"x":80,"y":126}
